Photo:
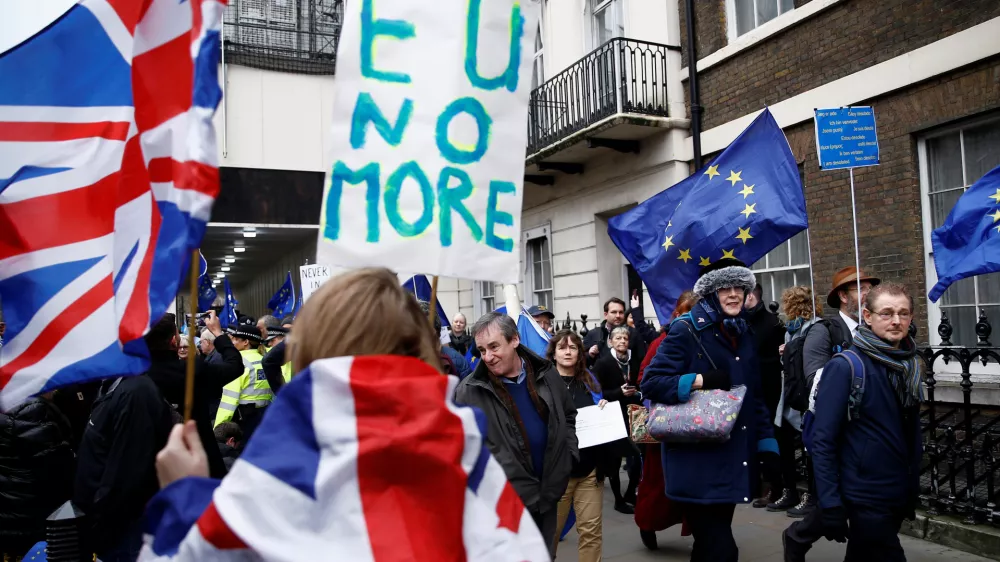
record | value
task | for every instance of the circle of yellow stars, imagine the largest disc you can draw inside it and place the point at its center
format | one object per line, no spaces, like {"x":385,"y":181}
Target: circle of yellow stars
{"x":749,"y":208}
{"x":996,"y":215}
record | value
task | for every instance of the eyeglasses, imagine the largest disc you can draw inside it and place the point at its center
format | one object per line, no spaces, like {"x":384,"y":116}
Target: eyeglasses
{"x":887,"y":315}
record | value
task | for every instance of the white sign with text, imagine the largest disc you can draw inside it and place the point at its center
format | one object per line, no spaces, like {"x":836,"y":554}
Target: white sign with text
{"x":311,"y":277}
{"x":428,"y":137}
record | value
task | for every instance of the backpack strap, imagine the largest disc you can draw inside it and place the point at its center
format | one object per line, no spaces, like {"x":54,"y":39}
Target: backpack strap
{"x":857,"y":383}
{"x":697,"y":338}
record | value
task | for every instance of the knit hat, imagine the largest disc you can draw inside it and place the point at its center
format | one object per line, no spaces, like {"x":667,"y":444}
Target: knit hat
{"x":724,"y":274}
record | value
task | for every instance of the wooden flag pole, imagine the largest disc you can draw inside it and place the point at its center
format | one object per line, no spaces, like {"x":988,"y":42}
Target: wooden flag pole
{"x":193,"y":307}
{"x":432,"y":309}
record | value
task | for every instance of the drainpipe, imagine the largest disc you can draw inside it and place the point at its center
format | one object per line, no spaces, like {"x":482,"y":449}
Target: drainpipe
{"x":696,"y":108}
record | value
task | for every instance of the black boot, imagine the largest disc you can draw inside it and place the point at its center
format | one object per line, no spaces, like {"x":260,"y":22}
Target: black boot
{"x":772,"y":497}
{"x":789,"y":497}
{"x":649,"y":539}
{"x":805,"y":506}
{"x":621,"y":506}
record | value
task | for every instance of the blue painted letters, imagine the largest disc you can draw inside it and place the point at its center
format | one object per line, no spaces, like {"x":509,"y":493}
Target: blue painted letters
{"x":371,"y":28}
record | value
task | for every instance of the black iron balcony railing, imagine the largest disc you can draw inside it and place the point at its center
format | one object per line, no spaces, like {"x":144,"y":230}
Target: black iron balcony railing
{"x":620,"y":76}
{"x":292,"y":36}
{"x":960,"y":472}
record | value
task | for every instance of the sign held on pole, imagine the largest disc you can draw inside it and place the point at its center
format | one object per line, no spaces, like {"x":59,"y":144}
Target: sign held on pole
{"x":311,"y":277}
{"x":846,"y":137}
{"x":426,"y":161}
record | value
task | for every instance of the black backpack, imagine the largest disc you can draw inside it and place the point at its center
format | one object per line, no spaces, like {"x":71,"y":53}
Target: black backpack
{"x":797,"y":386}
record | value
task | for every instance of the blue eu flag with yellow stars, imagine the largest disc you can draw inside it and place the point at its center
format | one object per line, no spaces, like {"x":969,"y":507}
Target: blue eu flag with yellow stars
{"x":968,"y":243}
{"x":743,"y":205}
{"x":229,"y":318}
{"x":206,"y":293}
{"x":283,"y":302}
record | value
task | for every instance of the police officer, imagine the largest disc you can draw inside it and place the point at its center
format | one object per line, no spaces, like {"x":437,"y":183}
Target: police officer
{"x":245,"y":399}
{"x":275,"y":336}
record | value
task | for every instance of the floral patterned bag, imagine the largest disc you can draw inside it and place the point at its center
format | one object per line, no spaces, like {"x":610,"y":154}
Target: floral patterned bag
{"x":707,"y":417}
{"x":637,"y":416}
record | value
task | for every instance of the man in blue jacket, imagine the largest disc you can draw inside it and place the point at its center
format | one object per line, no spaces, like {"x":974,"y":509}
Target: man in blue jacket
{"x":712,"y":347}
{"x":866,"y":432}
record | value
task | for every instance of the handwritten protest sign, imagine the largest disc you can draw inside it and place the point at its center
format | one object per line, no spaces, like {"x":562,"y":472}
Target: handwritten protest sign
{"x":311,"y":277}
{"x":428,"y":137}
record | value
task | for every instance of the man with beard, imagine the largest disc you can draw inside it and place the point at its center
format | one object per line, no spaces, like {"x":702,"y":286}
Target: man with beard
{"x":597,"y":342}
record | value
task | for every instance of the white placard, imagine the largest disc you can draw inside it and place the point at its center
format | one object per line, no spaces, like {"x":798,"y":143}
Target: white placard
{"x":311,"y":277}
{"x":428,"y":139}
{"x":595,"y":426}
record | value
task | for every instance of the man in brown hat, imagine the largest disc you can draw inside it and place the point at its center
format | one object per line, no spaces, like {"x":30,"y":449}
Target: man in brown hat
{"x":823,"y":340}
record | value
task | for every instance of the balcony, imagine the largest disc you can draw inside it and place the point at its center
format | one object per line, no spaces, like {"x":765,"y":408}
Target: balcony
{"x":297,"y":36}
{"x":610,"y":99}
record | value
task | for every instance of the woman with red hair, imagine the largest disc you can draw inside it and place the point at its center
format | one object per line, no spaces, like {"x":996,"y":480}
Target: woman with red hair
{"x":653,"y":509}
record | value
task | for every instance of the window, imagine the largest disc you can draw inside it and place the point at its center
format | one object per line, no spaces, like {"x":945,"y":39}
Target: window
{"x":486,"y":301}
{"x":541,"y":272}
{"x":783,"y":267}
{"x":538,"y":67}
{"x":606,"y":21}
{"x":745,"y":15}
{"x":951,"y":161}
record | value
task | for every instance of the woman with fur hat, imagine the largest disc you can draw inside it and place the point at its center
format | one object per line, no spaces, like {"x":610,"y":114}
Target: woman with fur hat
{"x":711,"y":347}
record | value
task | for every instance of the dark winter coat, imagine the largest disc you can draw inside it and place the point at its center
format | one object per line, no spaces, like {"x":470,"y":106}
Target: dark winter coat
{"x":506,"y":441}
{"x":170,"y":373}
{"x":460,"y":343}
{"x":229,"y":454}
{"x":873,"y":460}
{"x":716,"y":473}
{"x":769,"y":334}
{"x":639,"y":339}
{"x":116,"y":463}
{"x":611,"y":377}
{"x":37,"y":465}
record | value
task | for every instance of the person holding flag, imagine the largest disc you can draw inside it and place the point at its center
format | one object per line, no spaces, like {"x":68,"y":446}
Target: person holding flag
{"x":701,"y":233}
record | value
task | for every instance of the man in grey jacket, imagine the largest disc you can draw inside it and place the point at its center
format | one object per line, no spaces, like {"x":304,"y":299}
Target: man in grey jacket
{"x":531,"y":419}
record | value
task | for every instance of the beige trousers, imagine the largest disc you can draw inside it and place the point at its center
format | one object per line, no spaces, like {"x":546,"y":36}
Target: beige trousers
{"x":586,"y":496}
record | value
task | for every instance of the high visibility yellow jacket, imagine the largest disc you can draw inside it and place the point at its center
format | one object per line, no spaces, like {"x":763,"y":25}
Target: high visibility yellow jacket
{"x":250,"y":388}
{"x":286,"y":371}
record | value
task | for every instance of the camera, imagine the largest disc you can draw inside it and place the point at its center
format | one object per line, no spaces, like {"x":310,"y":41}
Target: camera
{"x":199,"y":319}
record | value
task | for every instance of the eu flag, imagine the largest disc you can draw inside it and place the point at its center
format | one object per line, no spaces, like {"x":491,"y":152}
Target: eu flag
{"x":968,"y":243}
{"x":420,"y":287}
{"x":283,"y":302}
{"x":298,"y":303}
{"x":743,"y":205}
{"x":228,"y":318}
{"x":206,"y":293}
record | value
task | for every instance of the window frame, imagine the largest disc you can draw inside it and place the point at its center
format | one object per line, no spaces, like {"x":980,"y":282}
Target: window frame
{"x":479,"y":298}
{"x":795,"y":269}
{"x":594,"y":7}
{"x":530,"y":296}
{"x":731,"y":26}
{"x":538,"y":58}
{"x":934,"y":310}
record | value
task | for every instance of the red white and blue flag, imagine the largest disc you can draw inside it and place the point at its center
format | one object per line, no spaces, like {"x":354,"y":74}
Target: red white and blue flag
{"x":361,"y":459}
{"x":108,"y":173}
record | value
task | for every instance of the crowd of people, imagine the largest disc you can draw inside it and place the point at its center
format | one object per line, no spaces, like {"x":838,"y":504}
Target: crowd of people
{"x":847,"y":386}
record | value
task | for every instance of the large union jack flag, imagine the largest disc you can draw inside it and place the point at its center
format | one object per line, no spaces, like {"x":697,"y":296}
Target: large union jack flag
{"x":108,"y":172}
{"x":365,"y":459}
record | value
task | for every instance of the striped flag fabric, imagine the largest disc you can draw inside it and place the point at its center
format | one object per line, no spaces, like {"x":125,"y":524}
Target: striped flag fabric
{"x":365,"y":457}
{"x":532,"y":335}
{"x":108,"y":173}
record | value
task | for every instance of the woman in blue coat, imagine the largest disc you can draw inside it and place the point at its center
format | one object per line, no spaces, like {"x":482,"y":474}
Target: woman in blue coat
{"x":709,"y":479}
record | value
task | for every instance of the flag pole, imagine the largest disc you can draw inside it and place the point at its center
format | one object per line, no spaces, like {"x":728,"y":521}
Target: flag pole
{"x":432,"y":308}
{"x":857,"y":253}
{"x":193,"y":307}
{"x":812,"y":286}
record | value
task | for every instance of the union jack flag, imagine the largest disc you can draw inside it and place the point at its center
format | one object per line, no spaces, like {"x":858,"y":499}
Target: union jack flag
{"x":365,"y":459}
{"x":108,"y":172}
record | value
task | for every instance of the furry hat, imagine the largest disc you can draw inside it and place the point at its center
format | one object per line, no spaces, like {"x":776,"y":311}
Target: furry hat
{"x":724,"y":274}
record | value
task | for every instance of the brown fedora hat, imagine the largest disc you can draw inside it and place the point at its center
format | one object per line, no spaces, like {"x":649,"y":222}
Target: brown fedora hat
{"x":843,"y":277}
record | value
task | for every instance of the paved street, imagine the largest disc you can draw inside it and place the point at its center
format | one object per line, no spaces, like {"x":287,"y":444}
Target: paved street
{"x":758,"y":534}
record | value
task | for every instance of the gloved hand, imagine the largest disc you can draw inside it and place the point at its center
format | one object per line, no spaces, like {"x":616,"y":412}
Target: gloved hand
{"x":770,"y":465}
{"x":835,"y":526}
{"x":716,"y":379}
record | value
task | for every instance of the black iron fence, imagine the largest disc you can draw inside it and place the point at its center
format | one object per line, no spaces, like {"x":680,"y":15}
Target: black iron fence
{"x":960,"y":472}
{"x":285,"y":35}
{"x":620,"y":76}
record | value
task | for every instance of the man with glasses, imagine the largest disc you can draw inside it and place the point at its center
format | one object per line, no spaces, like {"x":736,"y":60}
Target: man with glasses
{"x":823,"y":341}
{"x":867,"y":446}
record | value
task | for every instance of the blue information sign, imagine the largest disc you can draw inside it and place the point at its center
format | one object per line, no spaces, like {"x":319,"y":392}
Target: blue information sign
{"x":846,"y":137}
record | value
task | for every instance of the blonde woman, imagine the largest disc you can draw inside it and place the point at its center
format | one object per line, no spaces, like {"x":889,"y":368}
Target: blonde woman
{"x":801,"y":311}
{"x":363,"y":455}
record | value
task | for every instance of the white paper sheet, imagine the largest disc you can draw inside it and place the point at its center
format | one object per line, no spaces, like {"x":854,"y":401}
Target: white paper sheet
{"x":595,"y":426}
